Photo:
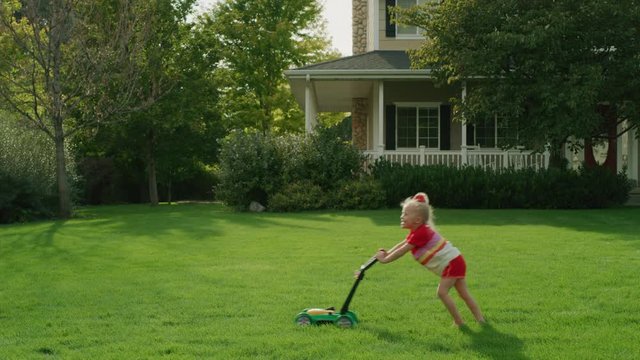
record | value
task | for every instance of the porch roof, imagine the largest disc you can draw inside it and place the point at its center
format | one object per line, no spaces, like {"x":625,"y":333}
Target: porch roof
{"x":378,"y":59}
{"x":338,"y":81}
{"x":371,"y":65}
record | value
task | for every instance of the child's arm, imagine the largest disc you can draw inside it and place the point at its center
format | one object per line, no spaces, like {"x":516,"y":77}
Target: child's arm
{"x":395,"y":253}
{"x":396,"y":247}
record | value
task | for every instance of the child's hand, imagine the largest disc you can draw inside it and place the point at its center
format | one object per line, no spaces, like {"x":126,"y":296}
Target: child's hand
{"x":381,"y":254}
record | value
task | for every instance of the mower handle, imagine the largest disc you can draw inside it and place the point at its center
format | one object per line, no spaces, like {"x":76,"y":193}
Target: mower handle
{"x":363,"y":268}
{"x":368,"y":264}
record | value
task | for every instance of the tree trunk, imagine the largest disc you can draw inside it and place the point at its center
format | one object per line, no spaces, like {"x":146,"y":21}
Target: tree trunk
{"x":611,"y":161}
{"x":153,"y":184}
{"x":589,"y":158}
{"x":64,"y":194}
{"x":169,"y":191}
{"x":610,"y":128}
{"x":151,"y":171}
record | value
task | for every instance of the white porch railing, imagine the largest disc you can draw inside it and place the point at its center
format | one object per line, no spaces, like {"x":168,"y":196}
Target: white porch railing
{"x":485,"y":158}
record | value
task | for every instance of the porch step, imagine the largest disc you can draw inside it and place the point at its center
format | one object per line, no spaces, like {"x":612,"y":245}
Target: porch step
{"x":634,"y":197}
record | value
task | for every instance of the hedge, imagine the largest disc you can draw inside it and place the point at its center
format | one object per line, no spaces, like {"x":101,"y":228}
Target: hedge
{"x":474,"y":187}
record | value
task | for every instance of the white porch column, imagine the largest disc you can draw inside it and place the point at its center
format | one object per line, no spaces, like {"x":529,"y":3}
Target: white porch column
{"x":310,"y":106}
{"x":380,"y":113}
{"x":463,"y":145}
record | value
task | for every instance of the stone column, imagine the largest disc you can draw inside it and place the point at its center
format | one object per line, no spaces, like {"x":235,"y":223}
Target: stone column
{"x":359,"y":105}
{"x":359,"y":123}
{"x":359,"y":26}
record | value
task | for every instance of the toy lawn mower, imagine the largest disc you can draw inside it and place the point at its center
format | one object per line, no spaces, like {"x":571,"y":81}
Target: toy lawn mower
{"x":343,"y":318}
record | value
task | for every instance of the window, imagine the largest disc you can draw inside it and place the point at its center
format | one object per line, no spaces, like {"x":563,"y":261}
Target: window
{"x":486,"y":133}
{"x":408,"y":30}
{"x":418,"y":126}
{"x":493,"y":133}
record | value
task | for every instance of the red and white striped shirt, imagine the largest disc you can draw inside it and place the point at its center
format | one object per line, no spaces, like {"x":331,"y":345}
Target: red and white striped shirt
{"x":431,"y":249}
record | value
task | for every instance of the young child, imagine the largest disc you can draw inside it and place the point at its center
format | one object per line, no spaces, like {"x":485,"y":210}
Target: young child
{"x":434,"y":252}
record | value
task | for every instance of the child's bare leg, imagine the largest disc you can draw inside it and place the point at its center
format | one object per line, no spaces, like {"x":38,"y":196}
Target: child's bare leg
{"x":463,"y":291}
{"x":443,"y":294}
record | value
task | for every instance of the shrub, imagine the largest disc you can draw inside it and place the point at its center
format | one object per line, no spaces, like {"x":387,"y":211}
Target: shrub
{"x":250,"y":164}
{"x":27,"y":172}
{"x":298,"y":196}
{"x":22,"y":200}
{"x":256,"y":167}
{"x":322,"y":157}
{"x":359,"y":194}
{"x":474,"y":187}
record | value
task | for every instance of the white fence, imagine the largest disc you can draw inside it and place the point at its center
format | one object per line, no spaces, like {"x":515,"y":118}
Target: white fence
{"x":485,"y":158}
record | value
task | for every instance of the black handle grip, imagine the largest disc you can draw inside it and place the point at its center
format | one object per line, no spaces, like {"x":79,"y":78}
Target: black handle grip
{"x":368,"y":264}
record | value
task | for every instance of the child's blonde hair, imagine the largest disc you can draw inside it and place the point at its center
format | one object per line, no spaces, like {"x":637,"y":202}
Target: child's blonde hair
{"x":421,"y":202}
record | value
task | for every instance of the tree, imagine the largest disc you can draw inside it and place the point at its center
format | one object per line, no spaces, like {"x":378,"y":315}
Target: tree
{"x":66,"y":59}
{"x":258,"y":40}
{"x":175,"y":137}
{"x":552,"y":69}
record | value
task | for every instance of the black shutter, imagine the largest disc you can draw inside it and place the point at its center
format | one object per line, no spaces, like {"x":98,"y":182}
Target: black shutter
{"x":445,"y":127}
{"x":390,"y":28}
{"x":390,"y":143}
{"x":470,"y":135}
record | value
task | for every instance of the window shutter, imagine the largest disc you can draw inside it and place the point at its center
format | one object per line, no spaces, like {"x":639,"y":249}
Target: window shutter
{"x":390,"y":143}
{"x":471,"y":141}
{"x":445,"y":127}
{"x":390,"y":28}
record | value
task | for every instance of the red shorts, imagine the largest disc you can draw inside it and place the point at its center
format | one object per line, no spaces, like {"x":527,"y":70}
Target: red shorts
{"x":457,"y":268}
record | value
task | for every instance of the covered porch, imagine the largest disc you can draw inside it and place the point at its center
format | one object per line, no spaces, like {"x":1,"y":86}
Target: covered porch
{"x":385,"y":96}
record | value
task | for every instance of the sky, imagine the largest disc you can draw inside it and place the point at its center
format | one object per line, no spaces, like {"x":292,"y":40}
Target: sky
{"x":337,"y":13}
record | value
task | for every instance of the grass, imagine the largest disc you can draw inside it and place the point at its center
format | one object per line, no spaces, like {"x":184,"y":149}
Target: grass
{"x":197,"y":281}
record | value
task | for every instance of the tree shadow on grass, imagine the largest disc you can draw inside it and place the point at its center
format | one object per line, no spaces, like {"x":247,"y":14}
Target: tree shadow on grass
{"x":621,"y":222}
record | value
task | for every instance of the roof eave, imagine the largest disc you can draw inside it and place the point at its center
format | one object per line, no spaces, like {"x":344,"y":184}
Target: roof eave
{"x":358,"y":74}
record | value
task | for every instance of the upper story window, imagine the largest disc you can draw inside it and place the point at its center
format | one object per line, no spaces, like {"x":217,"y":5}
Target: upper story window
{"x":408,"y":31}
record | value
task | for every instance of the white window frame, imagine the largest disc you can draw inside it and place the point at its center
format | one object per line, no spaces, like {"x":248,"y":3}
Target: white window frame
{"x":419,"y":31}
{"x":416,"y":106}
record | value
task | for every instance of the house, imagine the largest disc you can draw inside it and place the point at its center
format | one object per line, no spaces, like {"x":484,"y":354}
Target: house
{"x":399,"y":113}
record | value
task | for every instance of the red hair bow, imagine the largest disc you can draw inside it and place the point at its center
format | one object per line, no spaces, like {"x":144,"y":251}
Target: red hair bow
{"x":419,"y":198}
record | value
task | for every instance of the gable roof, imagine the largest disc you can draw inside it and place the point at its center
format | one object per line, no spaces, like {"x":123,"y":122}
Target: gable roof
{"x":373,"y":64}
{"x":374,"y":60}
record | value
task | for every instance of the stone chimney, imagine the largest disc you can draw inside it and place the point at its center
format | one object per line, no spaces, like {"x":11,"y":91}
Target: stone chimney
{"x":359,"y":26}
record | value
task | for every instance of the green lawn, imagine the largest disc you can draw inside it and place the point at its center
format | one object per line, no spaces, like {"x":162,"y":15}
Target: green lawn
{"x":197,"y":281}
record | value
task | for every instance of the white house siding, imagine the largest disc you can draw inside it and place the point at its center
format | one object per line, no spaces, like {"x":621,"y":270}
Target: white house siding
{"x":385,"y":43}
{"x":398,"y":44}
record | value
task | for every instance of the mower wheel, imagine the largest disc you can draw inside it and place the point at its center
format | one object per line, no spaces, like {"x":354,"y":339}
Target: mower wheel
{"x":303,"y":320}
{"x":344,"y":322}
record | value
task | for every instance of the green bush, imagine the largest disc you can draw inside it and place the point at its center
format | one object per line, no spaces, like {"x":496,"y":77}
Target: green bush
{"x":28,"y":186}
{"x":327,"y":159}
{"x":256,"y":166}
{"x":298,"y":196}
{"x":474,"y":187}
{"x":21,"y":199}
{"x":359,"y":194}
{"x":250,"y":168}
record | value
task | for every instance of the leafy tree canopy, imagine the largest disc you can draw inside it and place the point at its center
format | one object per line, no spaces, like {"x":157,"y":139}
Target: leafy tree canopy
{"x":258,"y":40}
{"x":549,"y":67}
